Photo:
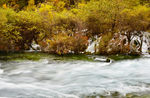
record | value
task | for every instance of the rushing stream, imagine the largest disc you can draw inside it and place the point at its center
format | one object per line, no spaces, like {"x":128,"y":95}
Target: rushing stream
{"x":73,"y":79}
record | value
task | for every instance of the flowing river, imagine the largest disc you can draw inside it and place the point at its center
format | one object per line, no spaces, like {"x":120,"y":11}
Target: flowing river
{"x":73,"y":79}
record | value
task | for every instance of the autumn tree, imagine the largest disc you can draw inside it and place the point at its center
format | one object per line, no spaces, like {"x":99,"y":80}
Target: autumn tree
{"x":134,"y":22}
{"x":145,"y":2}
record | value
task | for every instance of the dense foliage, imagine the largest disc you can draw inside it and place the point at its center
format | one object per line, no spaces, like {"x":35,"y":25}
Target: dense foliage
{"x":64,"y":26}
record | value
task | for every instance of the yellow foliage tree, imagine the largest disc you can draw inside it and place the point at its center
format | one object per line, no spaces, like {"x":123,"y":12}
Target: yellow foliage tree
{"x":31,"y":5}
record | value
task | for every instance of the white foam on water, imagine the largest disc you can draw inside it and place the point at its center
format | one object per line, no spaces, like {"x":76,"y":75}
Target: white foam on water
{"x":74,"y":79}
{"x":1,"y":71}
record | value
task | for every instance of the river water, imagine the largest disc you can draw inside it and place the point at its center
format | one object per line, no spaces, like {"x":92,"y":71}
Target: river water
{"x":73,"y":79}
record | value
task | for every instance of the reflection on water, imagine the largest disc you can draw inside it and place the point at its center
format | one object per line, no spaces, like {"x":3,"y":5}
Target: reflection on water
{"x":77,"y":79}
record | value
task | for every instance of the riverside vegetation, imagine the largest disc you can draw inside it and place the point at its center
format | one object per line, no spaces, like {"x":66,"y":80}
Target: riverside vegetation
{"x":65,"y":26}
{"x":59,"y":33}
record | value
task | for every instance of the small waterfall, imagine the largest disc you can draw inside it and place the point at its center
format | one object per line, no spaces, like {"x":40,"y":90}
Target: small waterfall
{"x":34,"y":47}
{"x":93,"y":47}
{"x":146,"y":43}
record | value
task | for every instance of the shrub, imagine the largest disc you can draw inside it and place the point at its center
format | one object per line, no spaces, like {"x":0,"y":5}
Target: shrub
{"x":79,"y":43}
{"x":64,"y":44}
{"x":29,"y":25}
{"x":94,"y":15}
{"x":61,"y":21}
{"x":18,"y":30}
{"x":104,"y":43}
{"x":8,"y":33}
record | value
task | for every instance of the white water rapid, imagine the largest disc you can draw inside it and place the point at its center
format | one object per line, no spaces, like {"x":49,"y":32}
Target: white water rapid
{"x":73,"y":79}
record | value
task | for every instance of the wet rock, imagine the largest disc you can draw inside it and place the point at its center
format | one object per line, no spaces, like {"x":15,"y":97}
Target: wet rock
{"x":102,"y":60}
{"x":56,"y":59}
{"x":108,"y":60}
{"x":148,"y":50}
{"x":115,"y":94}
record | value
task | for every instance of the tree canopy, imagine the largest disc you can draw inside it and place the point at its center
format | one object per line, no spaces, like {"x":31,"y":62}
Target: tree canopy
{"x":59,"y":26}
